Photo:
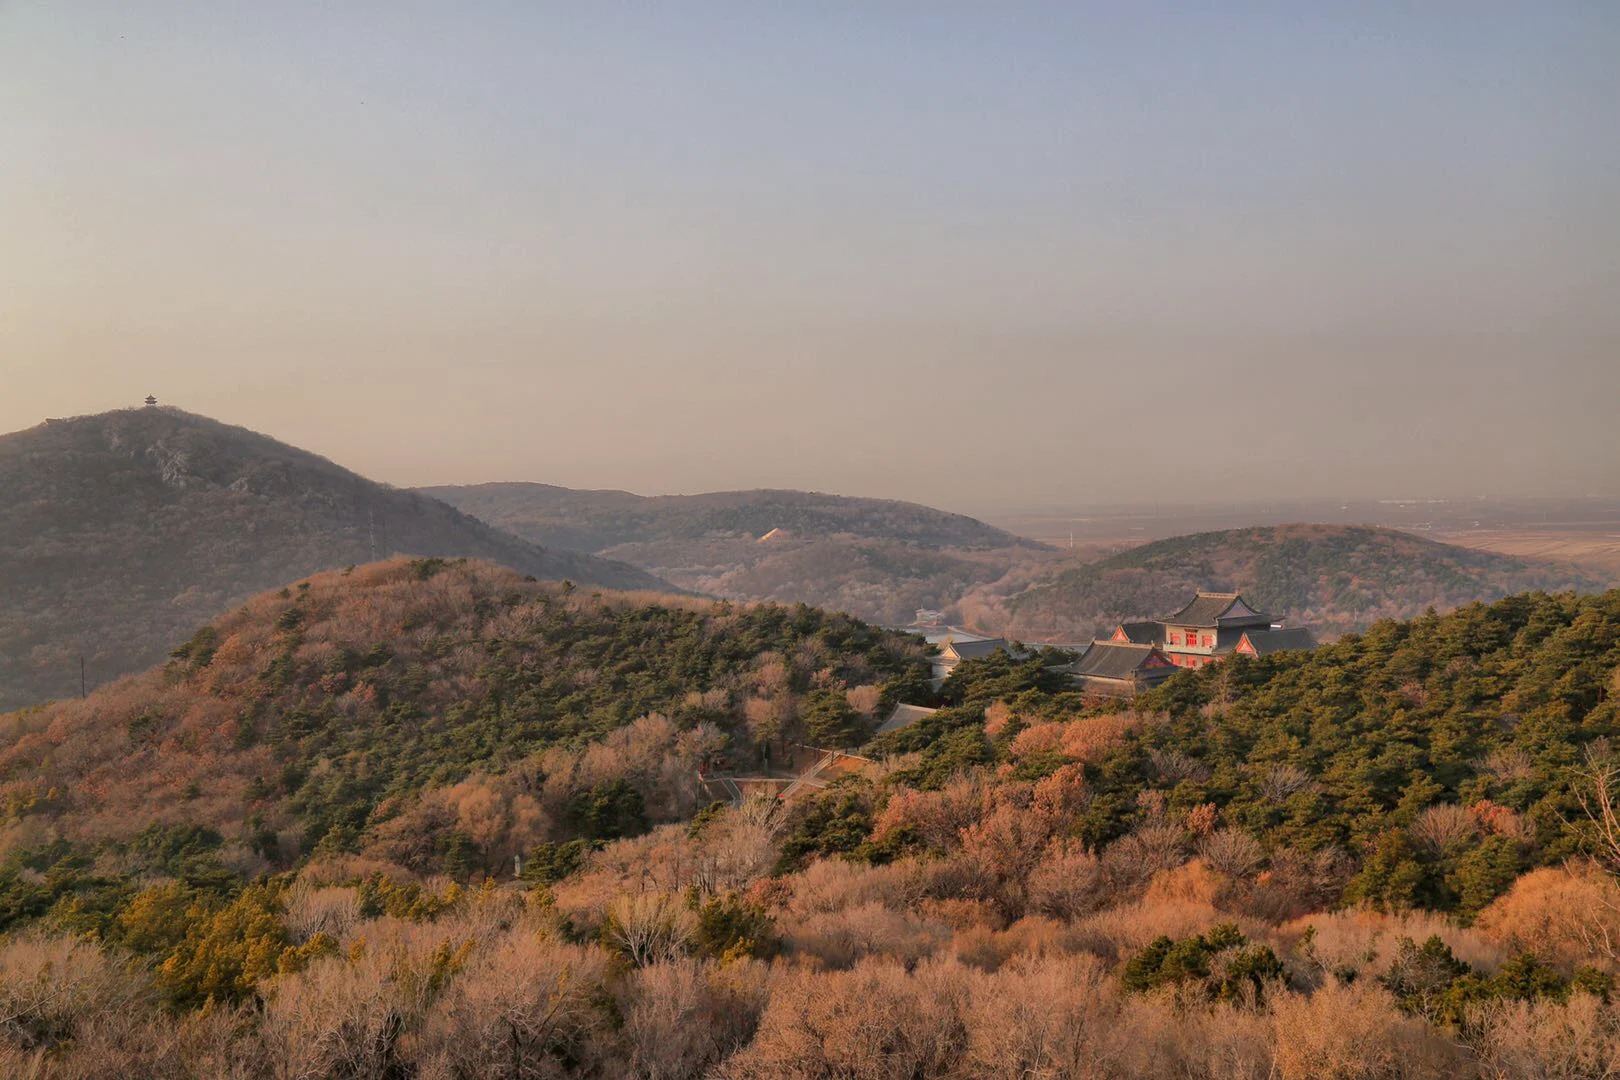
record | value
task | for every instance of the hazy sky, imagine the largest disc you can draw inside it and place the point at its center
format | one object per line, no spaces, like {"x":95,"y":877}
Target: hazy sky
{"x":978,"y":255}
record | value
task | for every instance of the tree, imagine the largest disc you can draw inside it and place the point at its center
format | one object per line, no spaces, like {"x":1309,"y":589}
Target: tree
{"x":831,"y":723}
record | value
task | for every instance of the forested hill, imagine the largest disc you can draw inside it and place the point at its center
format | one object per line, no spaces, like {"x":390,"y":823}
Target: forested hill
{"x":1331,"y":577}
{"x":595,"y":520}
{"x":313,"y":717}
{"x":120,"y":533}
{"x":1368,"y":860}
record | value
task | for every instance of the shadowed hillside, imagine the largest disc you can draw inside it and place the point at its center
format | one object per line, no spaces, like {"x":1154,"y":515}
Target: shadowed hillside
{"x":875,"y":558}
{"x":120,"y":533}
{"x":1332,"y":577}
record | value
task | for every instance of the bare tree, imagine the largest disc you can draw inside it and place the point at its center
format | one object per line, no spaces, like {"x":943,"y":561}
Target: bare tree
{"x":1596,"y":792}
{"x":650,"y":928}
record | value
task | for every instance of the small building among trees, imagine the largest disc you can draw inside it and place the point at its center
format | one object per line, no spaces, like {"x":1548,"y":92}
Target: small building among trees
{"x":953,"y":651}
{"x":1121,"y":669}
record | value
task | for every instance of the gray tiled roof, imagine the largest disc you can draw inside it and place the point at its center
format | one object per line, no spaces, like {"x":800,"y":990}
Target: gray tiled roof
{"x":1270,"y":641}
{"x":1144,"y":633}
{"x":904,"y":715}
{"x":1207,"y":609}
{"x":1112,"y":660}
{"x":973,"y":650}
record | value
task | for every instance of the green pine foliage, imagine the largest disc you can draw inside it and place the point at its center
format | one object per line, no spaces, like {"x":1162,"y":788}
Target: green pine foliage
{"x":1438,"y":756}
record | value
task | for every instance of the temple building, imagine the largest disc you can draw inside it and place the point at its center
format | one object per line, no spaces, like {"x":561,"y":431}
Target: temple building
{"x":1213,"y":626}
{"x":954,"y":650}
{"x":1121,"y":669}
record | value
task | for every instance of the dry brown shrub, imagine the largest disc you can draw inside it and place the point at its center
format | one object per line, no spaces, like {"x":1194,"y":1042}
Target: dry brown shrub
{"x":988,"y":949}
{"x":1062,"y":794}
{"x":680,"y":1019}
{"x":665,"y":860}
{"x":342,"y":869}
{"x":338,"y":1018}
{"x":828,"y":885}
{"x":315,"y":910}
{"x":1004,"y":848}
{"x":650,"y":928}
{"x":1354,"y":1032}
{"x":1192,"y":883}
{"x":1278,"y":782}
{"x":1090,"y":739}
{"x":1132,"y":860}
{"x":1357,"y":944}
{"x":962,"y":914}
{"x":1544,"y":1040}
{"x":1297,"y":883}
{"x":734,"y":852}
{"x":527,"y":1010}
{"x":1175,"y":766}
{"x":1129,"y":928}
{"x":1163,"y":1035}
{"x":1045,"y":1018}
{"x":1037,"y":739}
{"x":864,"y":699}
{"x":1567,"y":916}
{"x":355,"y":1014}
{"x":838,"y":939}
{"x":1497,"y":820}
{"x":1444,"y":828}
{"x":873,"y":1023}
{"x":938,"y":816}
{"x":1508,"y":765}
{"x":58,"y":991}
{"x":1068,"y":883}
{"x":1232,"y":852}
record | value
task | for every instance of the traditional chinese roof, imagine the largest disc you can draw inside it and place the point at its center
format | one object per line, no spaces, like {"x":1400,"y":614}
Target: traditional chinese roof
{"x":972,"y":650}
{"x":1142,"y":633}
{"x":904,"y":715}
{"x":1270,"y":641}
{"x":1212,"y":609}
{"x":1115,"y":660}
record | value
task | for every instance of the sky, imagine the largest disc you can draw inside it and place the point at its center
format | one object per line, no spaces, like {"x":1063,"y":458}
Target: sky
{"x":993,"y":255}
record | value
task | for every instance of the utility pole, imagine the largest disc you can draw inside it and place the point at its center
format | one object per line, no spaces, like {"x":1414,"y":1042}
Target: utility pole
{"x":83,"y":688}
{"x":371,"y":529}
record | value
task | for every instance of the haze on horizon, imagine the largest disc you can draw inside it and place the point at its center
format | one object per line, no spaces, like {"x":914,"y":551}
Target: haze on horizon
{"x":1006,"y":257}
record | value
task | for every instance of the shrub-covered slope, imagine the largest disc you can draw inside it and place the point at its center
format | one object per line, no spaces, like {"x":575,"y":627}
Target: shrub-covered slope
{"x":120,"y":533}
{"x":312,"y":716}
{"x":1368,"y":861}
{"x":1332,"y":577}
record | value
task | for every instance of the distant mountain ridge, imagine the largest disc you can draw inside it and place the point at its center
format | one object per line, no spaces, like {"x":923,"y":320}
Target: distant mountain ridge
{"x":1334,"y":578}
{"x":121,"y":533}
{"x":877,"y":559}
{"x":583,"y":520}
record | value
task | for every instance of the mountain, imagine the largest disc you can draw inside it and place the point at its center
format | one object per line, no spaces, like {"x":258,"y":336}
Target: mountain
{"x":595,"y":520}
{"x":875,"y":558}
{"x":121,"y":533}
{"x":1331,"y":577}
